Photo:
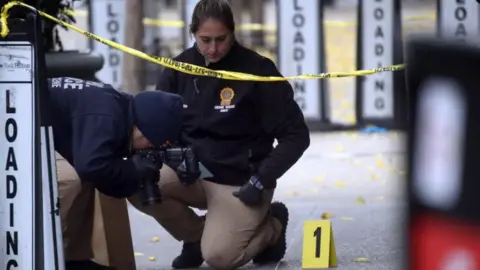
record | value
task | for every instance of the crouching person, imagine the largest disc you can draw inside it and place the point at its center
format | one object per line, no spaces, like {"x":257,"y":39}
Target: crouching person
{"x":97,"y":130}
{"x":231,"y":125}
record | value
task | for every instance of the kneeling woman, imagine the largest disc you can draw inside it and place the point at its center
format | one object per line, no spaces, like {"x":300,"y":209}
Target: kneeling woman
{"x":232,"y":126}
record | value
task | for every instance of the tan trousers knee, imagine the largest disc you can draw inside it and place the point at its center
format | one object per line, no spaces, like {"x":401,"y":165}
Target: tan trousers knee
{"x":76,"y":211}
{"x":232,"y":233}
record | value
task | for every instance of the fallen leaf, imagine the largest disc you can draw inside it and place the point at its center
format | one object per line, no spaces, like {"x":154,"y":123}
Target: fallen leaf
{"x":380,"y":163}
{"x":346,"y":218}
{"x":340,"y":148}
{"x":340,"y":184}
{"x":152,"y":259}
{"x":137,"y":254}
{"x":327,"y":215}
{"x":361,"y":260}
{"x":155,"y":239}
{"x":360,"y":200}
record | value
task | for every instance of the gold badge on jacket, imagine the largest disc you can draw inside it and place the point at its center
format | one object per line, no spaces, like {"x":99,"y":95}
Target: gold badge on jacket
{"x":226,"y":96}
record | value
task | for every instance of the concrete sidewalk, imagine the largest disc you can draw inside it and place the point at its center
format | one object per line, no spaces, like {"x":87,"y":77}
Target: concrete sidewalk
{"x":357,"y":178}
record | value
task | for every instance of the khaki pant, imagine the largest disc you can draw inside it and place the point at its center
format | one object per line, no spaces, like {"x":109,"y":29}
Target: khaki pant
{"x":232,"y":233}
{"x":77,"y":213}
{"x":91,"y":222}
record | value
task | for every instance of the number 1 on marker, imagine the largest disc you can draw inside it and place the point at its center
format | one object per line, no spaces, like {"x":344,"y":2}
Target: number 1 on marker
{"x":318,"y":235}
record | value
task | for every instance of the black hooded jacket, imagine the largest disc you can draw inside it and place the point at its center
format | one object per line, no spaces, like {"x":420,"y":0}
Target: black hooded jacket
{"x":232,"y":125}
{"x":92,"y":125}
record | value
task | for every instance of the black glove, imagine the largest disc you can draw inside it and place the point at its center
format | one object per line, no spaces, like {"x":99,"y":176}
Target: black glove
{"x":250,"y":193}
{"x":149,"y":175}
{"x":147,"y":169}
{"x":185,"y":176}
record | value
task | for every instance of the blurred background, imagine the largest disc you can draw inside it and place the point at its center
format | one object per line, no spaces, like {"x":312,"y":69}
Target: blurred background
{"x":164,"y":35}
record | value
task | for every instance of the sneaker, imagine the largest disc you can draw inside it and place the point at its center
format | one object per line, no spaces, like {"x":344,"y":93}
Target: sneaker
{"x":191,"y":256}
{"x":86,"y":265}
{"x":275,"y":253}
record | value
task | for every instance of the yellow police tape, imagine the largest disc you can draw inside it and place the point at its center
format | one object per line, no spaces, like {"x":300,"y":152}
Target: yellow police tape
{"x":245,"y":26}
{"x":185,"y":67}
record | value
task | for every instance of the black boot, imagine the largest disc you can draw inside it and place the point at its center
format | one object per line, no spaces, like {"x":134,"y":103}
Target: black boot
{"x":86,"y":265}
{"x":191,"y":256}
{"x":275,"y":253}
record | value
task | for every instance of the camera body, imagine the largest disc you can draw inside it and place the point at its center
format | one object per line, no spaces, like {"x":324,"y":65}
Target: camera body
{"x":180,"y":158}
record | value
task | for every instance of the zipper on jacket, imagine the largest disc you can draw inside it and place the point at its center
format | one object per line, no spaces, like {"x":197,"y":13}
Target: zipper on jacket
{"x":199,"y":96}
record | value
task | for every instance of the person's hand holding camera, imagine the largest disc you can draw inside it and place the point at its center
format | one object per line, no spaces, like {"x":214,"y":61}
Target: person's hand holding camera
{"x":146,"y":168}
{"x":251,"y":193}
{"x":189,"y":170}
{"x":149,"y":175}
{"x":186,"y":176}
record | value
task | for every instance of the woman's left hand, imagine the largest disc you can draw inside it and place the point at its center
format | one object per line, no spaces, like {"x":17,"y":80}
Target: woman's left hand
{"x":249,"y":194}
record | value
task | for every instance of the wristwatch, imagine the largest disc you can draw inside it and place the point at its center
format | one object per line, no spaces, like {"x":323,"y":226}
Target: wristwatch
{"x":255,"y":181}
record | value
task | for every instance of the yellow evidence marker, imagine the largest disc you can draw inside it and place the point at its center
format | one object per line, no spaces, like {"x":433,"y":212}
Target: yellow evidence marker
{"x":318,"y":245}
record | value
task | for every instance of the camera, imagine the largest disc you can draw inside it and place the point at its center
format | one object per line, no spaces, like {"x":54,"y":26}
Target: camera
{"x":182,"y":159}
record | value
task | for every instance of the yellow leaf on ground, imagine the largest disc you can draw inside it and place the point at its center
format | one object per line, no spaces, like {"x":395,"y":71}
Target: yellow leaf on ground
{"x":360,"y":200}
{"x":340,"y":184}
{"x":137,"y":254}
{"x":340,"y":148}
{"x":155,"y":239}
{"x":380,"y":163}
{"x":327,"y":215}
{"x":361,"y":260}
{"x":152,"y":258}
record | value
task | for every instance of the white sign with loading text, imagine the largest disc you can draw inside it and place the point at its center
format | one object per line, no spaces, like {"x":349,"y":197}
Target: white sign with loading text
{"x":299,"y":51}
{"x":17,"y":169}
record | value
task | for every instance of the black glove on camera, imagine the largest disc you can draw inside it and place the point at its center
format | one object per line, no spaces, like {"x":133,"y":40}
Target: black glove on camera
{"x":187,"y":177}
{"x":146,"y":168}
{"x":149,"y":176}
{"x":250,"y":193}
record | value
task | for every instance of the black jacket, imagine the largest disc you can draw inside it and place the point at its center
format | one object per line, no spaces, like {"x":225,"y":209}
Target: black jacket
{"x":235,"y":139}
{"x":91,"y":125}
